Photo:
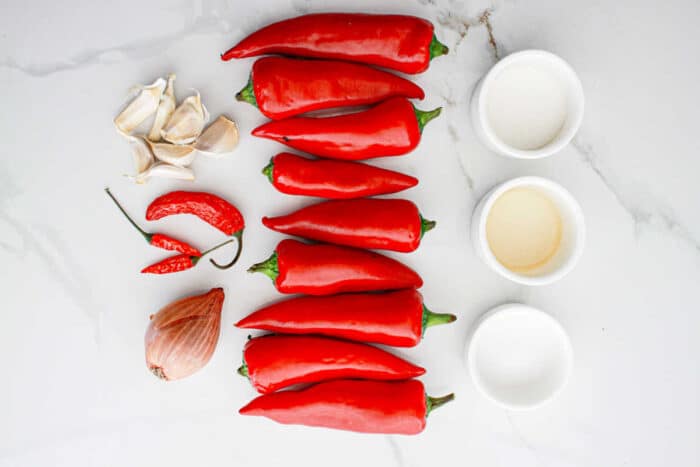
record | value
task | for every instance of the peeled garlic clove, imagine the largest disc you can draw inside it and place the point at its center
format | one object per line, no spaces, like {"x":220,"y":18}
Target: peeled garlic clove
{"x":180,"y":155}
{"x":165,"y":109}
{"x":163,"y":170}
{"x":220,"y":138}
{"x":141,"y":107}
{"x":181,"y":337}
{"x":142,"y":154}
{"x":187,"y":121}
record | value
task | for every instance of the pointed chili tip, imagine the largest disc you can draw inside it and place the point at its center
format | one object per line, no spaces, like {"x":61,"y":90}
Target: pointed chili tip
{"x":433,"y":403}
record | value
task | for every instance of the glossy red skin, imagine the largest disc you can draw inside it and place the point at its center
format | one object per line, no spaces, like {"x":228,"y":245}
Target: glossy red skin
{"x":285,"y":87}
{"x":386,"y":224}
{"x":275,"y":362}
{"x":173,"y":264}
{"x":352,"y":405}
{"x":329,"y":269}
{"x":392,"y":318}
{"x":210,"y":208}
{"x":169,"y":243}
{"x":387,"y":129}
{"x":391,"y":41}
{"x":296,"y":175}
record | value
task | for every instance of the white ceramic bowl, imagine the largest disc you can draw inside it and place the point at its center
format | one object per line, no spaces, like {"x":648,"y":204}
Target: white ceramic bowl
{"x":573,"y":232}
{"x":519,"y":356}
{"x":555,"y":66}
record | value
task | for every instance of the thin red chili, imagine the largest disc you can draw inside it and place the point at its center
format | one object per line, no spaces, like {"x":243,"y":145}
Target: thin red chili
{"x":178,"y":263}
{"x":296,"y":175}
{"x":210,"y":208}
{"x":391,"y":128}
{"x":283,"y":87}
{"x":156,"y":239}
{"x":403,"y":43}
{"x":386,"y":224}
{"x":275,"y":362}
{"x":394,"y":318}
{"x":390,"y":407}
{"x":297,"y":267}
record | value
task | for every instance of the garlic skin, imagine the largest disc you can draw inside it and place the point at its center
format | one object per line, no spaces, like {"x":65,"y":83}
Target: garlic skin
{"x":164,"y":170}
{"x":141,"y":107}
{"x":180,"y":155}
{"x":220,"y":138}
{"x":142,"y":154}
{"x":165,"y":109}
{"x":187,"y":121}
{"x":181,"y":337}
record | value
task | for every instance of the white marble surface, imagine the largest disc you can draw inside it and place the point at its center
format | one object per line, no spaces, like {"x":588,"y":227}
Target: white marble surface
{"x":75,"y":390}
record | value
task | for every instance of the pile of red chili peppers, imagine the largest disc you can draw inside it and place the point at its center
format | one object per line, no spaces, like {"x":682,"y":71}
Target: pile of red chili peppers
{"x":321,"y":337}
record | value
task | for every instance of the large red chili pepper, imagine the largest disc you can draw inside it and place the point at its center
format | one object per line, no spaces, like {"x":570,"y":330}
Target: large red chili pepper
{"x":296,"y":175}
{"x":158,"y":240}
{"x":297,"y":267}
{"x":284,"y":87}
{"x":391,"y":128}
{"x":179,"y":263}
{"x":394,"y":318}
{"x":387,"y":224}
{"x":210,"y":208}
{"x":404,"y":43}
{"x":391,"y":407}
{"x":275,"y":362}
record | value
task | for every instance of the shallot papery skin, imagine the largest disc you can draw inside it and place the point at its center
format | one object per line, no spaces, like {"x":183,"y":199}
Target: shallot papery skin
{"x":181,"y":337}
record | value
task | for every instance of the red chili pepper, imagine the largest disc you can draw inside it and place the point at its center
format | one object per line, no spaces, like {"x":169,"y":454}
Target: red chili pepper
{"x":283,"y":87}
{"x":387,"y":224}
{"x":404,"y":43}
{"x":394,"y":318}
{"x":210,"y":208}
{"x":179,"y":263}
{"x":390,"y":407}
{"x":295,"y":175}
{"x":158,"y":240}
{"x":275,"y":362}
{"x":297,"y":267}
{"x":391,"y":128}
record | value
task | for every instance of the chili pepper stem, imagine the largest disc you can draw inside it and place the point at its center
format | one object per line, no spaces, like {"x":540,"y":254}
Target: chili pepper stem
{"x":426,"y":225}
{"x":267,"y":170}
{"x":238,"y":236}
{"x":425,"y":116}
{"x":243,"y":370}
{"x":433,"y":319}
{"x":437,"y":48}
{"x":145,"y":234}
{"x":432,"y":403}
{"x":247,"y":94}
{"x":196,"y":259}
{"x":269,"y":267}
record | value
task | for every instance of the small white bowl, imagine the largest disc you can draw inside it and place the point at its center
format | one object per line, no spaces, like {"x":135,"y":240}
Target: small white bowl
{"x":519,"y":357}
{"x":553,"y":65}
{"x":572,"y":240}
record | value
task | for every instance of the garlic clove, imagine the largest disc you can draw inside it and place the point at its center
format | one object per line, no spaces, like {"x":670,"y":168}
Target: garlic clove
{"x":220,"y":138}
{"x":164,"y":170}
{"x":180,"y":155}
{"x":141,"y":107}
{"x":165,"y":109}
{"x":182,"y":337}
{"x":142,"y":154}
{"x":187,"y":121}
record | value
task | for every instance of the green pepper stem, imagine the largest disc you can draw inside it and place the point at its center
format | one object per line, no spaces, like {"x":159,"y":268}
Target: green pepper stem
{"x":145,"y":234}
{"x":426,"y":225}
{"x":238,"y":236}
{"x":243,"y":370}
{"x":195,"y":259}
{"x":269,"y":267}
{"x":267,"y":170}
{"x":432,"y":403}
{"x":424,"y":116}
{"x":437,"y":48}
{"x":247,"y":94}
{"x":433,"y":319}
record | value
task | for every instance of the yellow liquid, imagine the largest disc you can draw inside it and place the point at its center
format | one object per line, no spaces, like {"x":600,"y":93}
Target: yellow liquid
{"x":523,"y":229}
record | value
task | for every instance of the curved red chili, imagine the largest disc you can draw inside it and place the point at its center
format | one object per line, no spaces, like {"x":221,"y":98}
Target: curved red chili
{"x":283,"y":87}
{"x":275,"y":362}
{"x":179,"y":263}
{"x":403,"y":43}
{"x":390,"y":407}
{"x":296,"y":175}
{"x":297,"y":267}
{"x":387,"y":224}
{"x":394,"y":318}
{"x":391,"y":128}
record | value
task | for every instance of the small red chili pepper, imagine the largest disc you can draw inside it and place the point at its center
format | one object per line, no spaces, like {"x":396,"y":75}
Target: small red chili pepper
{"x":179,"y":262}
{"x":387,"y":224}
{"x":390,"y":407}
{"x":296,"y":175}
{"x":283,"y":87}
{"x":297,"y":267}
{"x":275,"y":362}
{"x":391,"y":128}
{"x":404,"y":43}
{"x":394,"y":318}
{"x":158,"y":240}
{"x":210,"y":208}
